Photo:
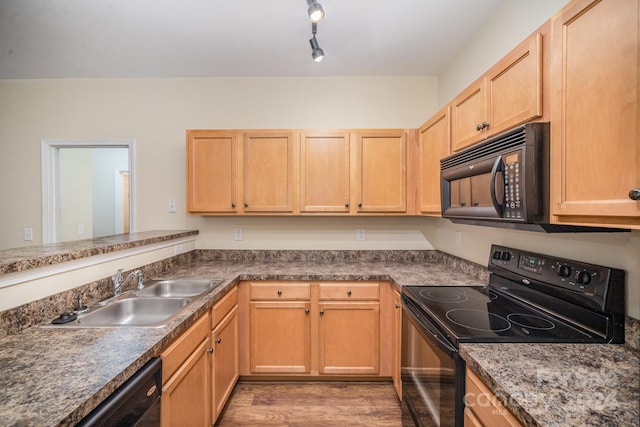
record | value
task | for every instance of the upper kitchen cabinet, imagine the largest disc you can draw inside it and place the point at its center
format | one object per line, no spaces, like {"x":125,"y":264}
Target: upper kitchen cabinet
{"x":380,"y":171}
{"x":509,"y":94}
{"x":594,"y":114}
{"x":324,"y":172}
{"x":211,"y":171}
{"x":269,"y":162}
{"x":433,"y":145}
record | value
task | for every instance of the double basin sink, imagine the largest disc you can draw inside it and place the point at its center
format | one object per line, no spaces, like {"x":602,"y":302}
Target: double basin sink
{"x":155,"y":305}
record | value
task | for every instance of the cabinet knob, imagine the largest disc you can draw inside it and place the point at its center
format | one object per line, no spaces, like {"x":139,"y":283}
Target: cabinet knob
{"x":478,"y":126}
{"x":321,"y":312}
{"x":210,"y":350}
{"x":306,"y":310}
{"x":349,"y":293}
{"x":397,"y":305}
{"x":233,"y":205}
{"x":218,"y":340}
{"x":246,"y":205}
{"x":359,"y":205}
{"x":476,"y":203}
{"x":279,"y":293}
{"x":485,"y":125}
{"x":634,"y":194}
{"x":346,"y":205}
{"x":463,"y":203}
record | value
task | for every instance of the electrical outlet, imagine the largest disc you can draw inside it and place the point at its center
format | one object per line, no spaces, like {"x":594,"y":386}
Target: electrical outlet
{"x":237,"y":234}
{"x":27,"y":233}
{"x":179,"y":249}
{"x":80,"y":229}
{"x":172,"y":206}
{"x":360,"y":234}
{"x":458,"y":238}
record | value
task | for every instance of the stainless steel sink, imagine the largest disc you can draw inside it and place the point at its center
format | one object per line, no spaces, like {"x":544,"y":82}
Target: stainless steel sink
{"x":175,"y":288}
{"x":134,"y":312}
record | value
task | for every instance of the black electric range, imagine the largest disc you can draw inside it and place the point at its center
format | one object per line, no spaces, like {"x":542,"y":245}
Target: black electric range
{"x":530,"y":297}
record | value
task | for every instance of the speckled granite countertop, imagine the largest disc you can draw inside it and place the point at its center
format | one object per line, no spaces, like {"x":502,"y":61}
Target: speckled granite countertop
{"x":561,"y":384}
{"x":29,"y":257}
{"x":56,"y":376}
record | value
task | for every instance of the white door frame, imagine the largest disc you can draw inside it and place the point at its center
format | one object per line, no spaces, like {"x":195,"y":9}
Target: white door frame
{"x":50,"y":180}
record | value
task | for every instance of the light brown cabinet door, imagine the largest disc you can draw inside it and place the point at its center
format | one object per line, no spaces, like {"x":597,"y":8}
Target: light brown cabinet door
{"x":433,"y":146}
{"x":224,"y":341}
{"x":595,"y":119}
{"x":211,"y":171}
{"x":186,"y":395}
{"x":349,"y":338}
{"x":280,"y":337}
{"x":324,"y":172}
{"x":514,"y":87}
{"x":467,"y":115}
{"x":269,"y":159}
{"x":381,"y":171}
{"x":509,"y":94}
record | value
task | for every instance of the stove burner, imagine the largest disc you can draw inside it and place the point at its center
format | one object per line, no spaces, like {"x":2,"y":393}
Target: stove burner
{"x":478,"y":320}
{"x":444,"y":295}
{"x":481,"y":294}
{"x":531,"y":321}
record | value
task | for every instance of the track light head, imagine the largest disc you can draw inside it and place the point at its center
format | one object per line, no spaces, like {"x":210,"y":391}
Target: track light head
{"x":315,"y":11}
{"x":316,"y":53}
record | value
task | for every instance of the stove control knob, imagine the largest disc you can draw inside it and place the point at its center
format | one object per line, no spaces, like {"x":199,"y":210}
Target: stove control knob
{"x":564,"y":271}
{"x":506,"y":256}
{"x":583,"y":277}
{"x":497,"y":254}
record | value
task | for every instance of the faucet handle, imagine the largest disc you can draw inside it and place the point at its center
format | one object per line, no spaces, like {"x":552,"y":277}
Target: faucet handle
{"x":140,"y":279}
{"x":118,"y":276}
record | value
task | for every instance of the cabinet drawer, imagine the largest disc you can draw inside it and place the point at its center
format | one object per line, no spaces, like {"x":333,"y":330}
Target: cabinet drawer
{"x":280,"y":291}
{"x":224,"y":306}
{"x":486,"y":407}
{"x":348,"y":291}
{"x":179,"y":350}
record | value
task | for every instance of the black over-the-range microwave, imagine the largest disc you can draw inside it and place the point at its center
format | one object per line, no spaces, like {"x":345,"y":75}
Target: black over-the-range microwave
{"x":502,"y":182}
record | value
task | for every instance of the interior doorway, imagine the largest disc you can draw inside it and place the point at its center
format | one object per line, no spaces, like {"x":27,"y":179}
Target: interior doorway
{"x":87,"y":189}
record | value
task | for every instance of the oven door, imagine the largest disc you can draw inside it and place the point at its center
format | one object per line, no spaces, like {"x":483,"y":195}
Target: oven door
{"x":432,"y":373}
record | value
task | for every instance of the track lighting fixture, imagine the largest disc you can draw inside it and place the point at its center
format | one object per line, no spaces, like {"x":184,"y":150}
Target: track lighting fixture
{"x":316,"y":53}
{"x":315,"y":11}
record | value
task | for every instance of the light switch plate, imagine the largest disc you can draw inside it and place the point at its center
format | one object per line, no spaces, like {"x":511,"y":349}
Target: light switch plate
{"x":360,"y":234}
{"x":237,"y":234}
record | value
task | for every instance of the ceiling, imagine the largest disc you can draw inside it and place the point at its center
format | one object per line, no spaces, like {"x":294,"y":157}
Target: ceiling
{"x":203,"y":38}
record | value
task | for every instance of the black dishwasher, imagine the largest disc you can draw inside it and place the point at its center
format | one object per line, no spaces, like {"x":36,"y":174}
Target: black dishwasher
{"x":134,"y":403}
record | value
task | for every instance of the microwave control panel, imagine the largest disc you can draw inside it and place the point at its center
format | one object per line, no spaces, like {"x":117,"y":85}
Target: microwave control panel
{"x":513,"y":203}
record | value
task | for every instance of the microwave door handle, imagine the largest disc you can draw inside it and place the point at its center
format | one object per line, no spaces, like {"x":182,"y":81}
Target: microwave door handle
{"x":497,"y":167}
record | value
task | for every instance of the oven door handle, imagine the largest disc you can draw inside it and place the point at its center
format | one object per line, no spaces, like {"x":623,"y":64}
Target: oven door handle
{"x":497,"y":167}
{"x":427,"y":326}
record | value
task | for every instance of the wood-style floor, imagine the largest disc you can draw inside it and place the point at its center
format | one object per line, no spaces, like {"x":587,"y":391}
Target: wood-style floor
{"x":314,"y":404}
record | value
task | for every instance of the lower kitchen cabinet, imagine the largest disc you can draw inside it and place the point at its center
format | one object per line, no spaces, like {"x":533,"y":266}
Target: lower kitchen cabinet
{"x":482,"y":407}
{"x":186,"y":377}
{"x":224,"y":341}
{"x":397,"y":344}
{"x":279,"y":328}
{"x":314,"y":329}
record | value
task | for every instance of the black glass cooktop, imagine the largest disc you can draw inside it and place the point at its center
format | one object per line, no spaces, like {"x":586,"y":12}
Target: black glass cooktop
{"x":481,"y":314}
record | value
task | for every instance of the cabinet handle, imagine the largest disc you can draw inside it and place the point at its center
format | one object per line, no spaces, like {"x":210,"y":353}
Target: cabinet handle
{"x":218,"y":340}
{"x":634,"y":194}
{"x":210,"y":350}
{"x":306,"y":310}
{"x":279,"y":293}
{"x":321,"y":312}
{"x":349,"y":293}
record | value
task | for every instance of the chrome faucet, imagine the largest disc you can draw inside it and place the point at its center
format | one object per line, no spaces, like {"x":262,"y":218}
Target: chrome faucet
{"x":118,"y":283}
